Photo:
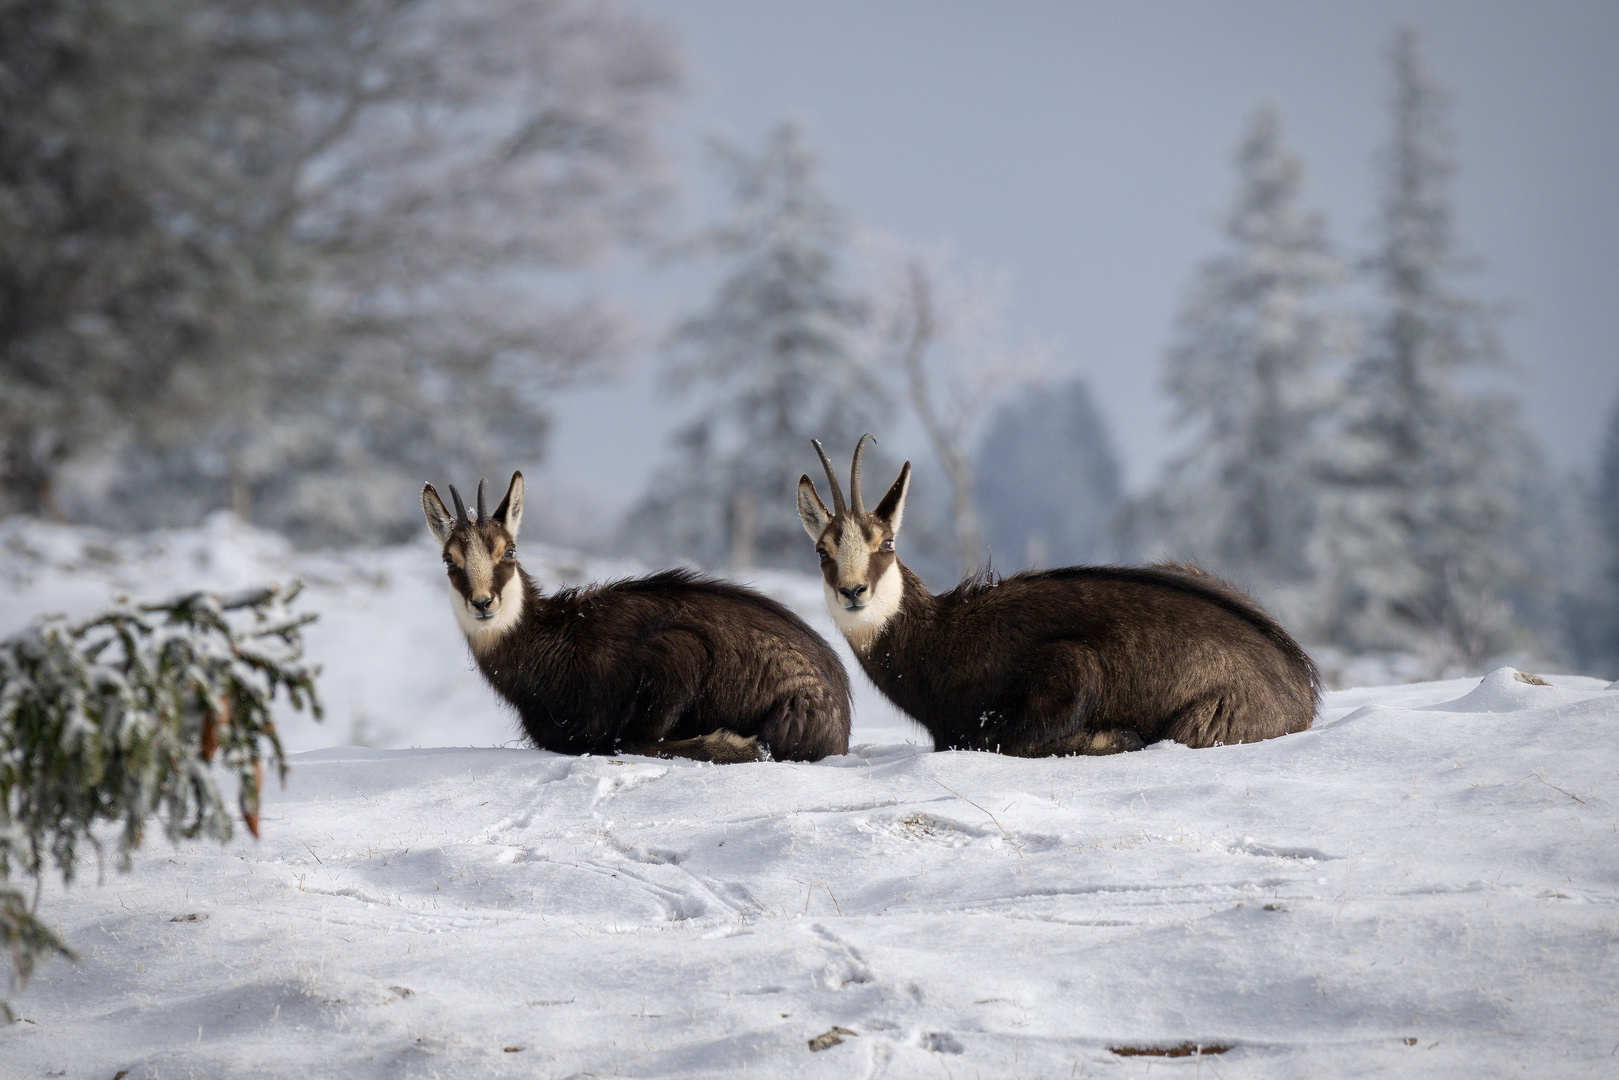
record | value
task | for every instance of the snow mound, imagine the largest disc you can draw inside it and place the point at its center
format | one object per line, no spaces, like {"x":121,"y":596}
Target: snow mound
{"x":1411,"y":888}
{"x":1507,"y":689}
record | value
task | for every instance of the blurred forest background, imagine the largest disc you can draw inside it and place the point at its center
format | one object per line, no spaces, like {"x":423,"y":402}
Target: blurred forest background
{"x":289,"y":258}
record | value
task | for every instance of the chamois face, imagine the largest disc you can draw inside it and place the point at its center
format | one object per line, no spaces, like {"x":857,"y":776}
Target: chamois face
{"x":859,"y":567}
{"x":480,"y":557}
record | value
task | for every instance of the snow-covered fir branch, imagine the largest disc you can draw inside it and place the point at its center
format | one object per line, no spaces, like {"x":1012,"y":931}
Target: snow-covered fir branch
{"x":116,"y":719}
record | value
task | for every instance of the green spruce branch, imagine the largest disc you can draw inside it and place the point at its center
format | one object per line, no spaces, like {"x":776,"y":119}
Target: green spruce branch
{"x":124,"y":717}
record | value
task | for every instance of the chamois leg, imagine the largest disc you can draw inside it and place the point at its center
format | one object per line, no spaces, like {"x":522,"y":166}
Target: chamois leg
{"x":1068,"y":678}
{"x":805,"y":725}
{"x":721,"y":747}
{"x":1111,"y":741}
{"x":665,"y":702}
{"x":1202,"y":723}
{"x":1088,"y":743}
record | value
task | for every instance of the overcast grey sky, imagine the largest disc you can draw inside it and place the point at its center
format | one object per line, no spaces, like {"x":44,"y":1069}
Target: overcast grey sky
{"x":1086,"y":150}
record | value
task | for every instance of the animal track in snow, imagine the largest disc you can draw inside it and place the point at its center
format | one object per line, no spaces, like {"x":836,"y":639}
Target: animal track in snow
{"x":1249,"y":846}
{"x":653,"y":856}
{"x":617,"y":781}
{"x":844,"y":966}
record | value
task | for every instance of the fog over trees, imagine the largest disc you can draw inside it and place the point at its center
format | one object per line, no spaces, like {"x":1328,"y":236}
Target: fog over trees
{"x":780,"y":357}
{"x":1426,"y":481}
{"x":1595,"y":607}
{"x":291,"y":257}
{"x":1048,"y":481}
{"x":1248,"y":375}
{"x":1387,"y":504}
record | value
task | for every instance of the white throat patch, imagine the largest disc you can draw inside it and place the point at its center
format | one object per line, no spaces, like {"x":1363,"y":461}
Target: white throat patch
{"x":862,"y":625}
{"x":483,"y":633}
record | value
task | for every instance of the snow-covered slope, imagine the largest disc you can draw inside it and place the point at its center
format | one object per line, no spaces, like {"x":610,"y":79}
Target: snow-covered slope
{"x":1425,"y":884}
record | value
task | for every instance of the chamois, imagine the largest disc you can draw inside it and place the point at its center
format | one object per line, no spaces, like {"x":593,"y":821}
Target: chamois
{"x":1081,"y":660}
{"x":671,"y":665}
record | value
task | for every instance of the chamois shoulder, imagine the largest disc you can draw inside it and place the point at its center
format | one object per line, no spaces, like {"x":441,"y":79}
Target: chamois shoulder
{"x":662,"y":583}
{"x":683,"y":583}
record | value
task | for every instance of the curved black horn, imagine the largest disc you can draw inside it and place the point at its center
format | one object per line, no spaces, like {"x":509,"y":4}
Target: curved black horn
{"x":460,"y":507}
{"x":854,"y":475}
{"x":832,"y":479}
{"x":483,"y":507}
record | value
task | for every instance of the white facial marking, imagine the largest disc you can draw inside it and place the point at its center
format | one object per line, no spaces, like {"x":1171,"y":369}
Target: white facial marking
{"x":862,"y":625}
{"x":506,"y":611}
{"x":852,"y":556}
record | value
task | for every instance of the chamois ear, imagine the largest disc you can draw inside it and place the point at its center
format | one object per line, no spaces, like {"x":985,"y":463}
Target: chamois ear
{"x":439,"y":521}
{"x":510,"y":511}
{"x":811,"y":510}
{"x":891,"y":511}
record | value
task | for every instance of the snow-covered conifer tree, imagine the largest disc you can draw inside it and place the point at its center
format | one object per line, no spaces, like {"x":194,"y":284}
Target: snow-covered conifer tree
{"x":292,"y":257}
{"x":1048,"y":483}
{"x":1604,"y":644}
{"x":1424,"y":477}
{"x":455,"y":174}
{"x":131,"y":276}
{"x":1254,"y":333}
{"x":780,"y":356}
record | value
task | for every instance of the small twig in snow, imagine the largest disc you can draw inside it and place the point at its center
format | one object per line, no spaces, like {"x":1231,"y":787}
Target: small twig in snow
{"x":1554,"y":787}
{"x":986,"y":813}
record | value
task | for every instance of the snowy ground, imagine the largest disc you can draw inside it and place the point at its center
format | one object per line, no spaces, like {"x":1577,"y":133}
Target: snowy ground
{"x":1426,"y":883}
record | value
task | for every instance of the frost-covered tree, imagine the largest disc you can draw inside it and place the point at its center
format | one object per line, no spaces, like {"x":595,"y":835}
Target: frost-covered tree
{"x":114,"y":720}
{"x":1595,"y":612}
{"x":292,"y":254}
{"x":461,"y":163}
{"x":130,"y":268}
{"x":944,"y":325}
{"x":1426,"y":479}
{"x":1048,"y":481}
{"x":1246,"y":375}
{"x":780,"y":356}
{"x":944,"y":425}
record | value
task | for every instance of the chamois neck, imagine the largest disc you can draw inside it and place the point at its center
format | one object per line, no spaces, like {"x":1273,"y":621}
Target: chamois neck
{"x":900,"y":597}
{"x":919,"y":604}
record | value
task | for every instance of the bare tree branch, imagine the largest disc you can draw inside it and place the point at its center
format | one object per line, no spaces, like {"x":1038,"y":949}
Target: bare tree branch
{"x":945,"y":436}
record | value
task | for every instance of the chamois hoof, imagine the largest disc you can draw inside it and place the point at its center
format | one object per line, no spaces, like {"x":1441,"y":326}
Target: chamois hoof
{"x":729,"y":748}
{"x":1112,"y":741}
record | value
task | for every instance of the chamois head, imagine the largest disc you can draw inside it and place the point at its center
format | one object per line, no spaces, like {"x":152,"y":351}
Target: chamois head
{"x":858,"y":563}
{"x":480,"y":555}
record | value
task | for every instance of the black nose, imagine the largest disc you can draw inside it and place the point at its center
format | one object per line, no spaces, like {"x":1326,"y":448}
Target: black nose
{"x":482,"y":605}
{"x":852,"y":592}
